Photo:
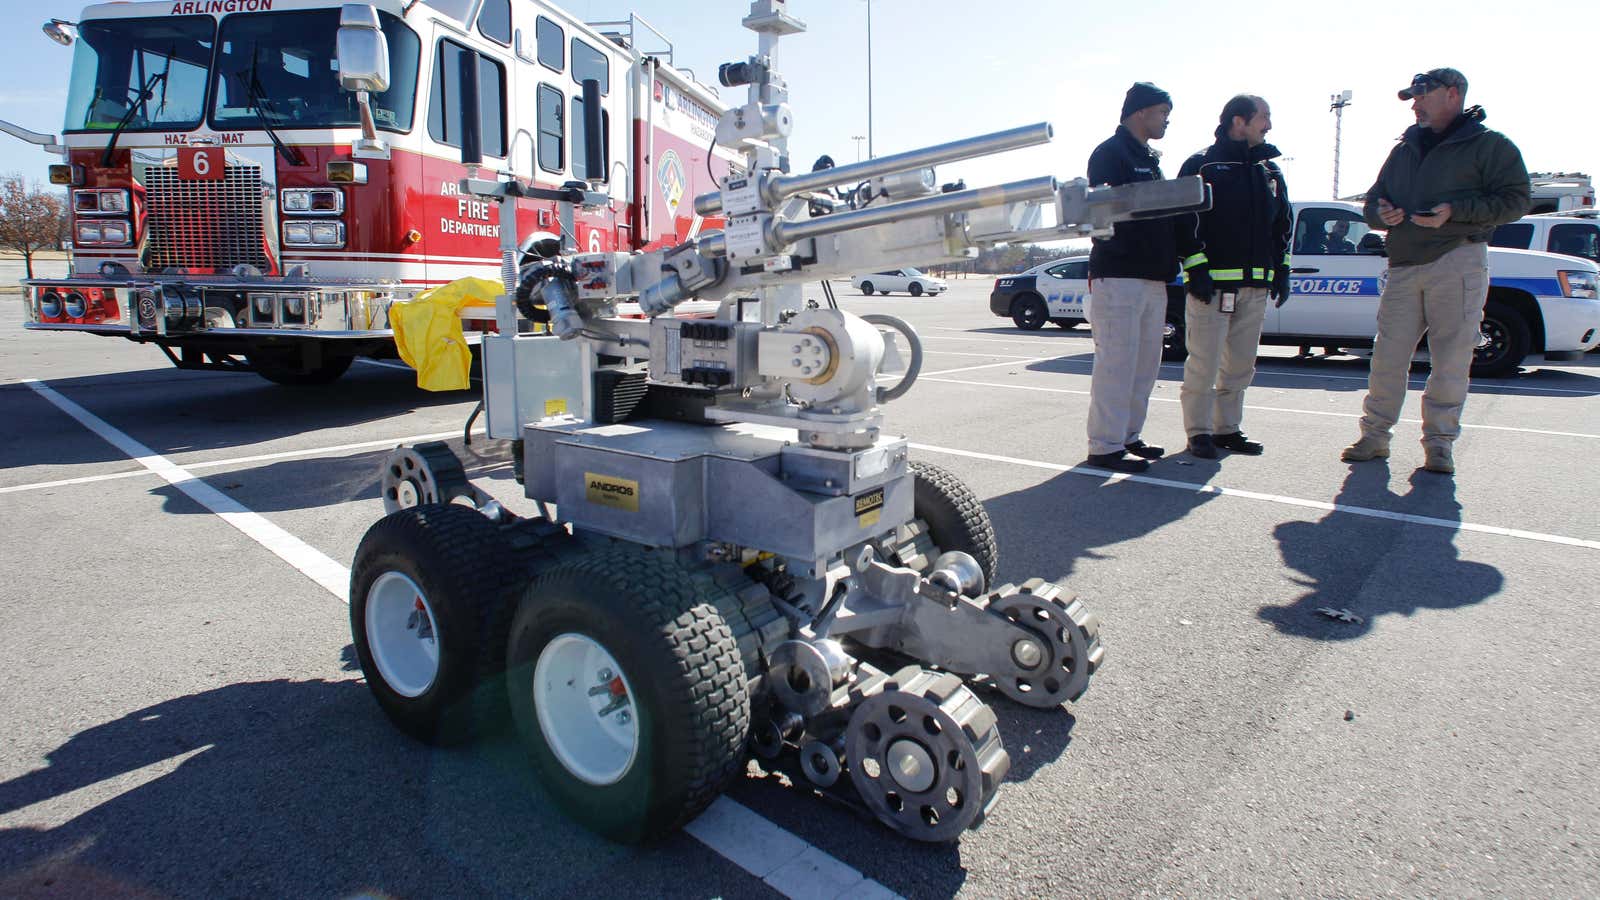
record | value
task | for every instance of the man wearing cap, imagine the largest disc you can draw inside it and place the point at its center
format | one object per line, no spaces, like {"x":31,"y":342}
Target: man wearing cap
{"x":1235,"y":260}
{"x":1441,"y":193}
{"x":1128,"y":275}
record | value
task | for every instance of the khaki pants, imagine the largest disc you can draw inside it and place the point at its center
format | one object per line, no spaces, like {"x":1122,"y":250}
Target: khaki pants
{"x":1222,"y":360}
{"x":1445,"y":299}
{"x":1126,"y":316}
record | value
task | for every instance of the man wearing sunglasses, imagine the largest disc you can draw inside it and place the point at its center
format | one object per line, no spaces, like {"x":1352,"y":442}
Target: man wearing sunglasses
{"x":1441,"y":193}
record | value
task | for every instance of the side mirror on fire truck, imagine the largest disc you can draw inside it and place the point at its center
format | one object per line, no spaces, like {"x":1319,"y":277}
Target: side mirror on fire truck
{"x":363,"y":50}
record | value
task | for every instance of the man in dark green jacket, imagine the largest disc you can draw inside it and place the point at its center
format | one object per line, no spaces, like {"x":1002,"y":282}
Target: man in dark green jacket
{"x":1441,"y":193}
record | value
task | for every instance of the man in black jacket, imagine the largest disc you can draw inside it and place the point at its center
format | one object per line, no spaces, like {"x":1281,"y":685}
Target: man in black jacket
{"x":1128,"y":275}
{"x":1235,"y":260}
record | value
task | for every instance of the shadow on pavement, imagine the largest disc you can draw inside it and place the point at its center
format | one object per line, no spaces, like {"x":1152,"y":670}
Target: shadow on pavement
{"x":1374,"y":567}
{"x":302,"y":789}
{"x":1045,"y":529}
{"x":173,"y":411}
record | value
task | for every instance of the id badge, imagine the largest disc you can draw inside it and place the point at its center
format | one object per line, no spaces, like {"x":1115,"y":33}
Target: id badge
{"x":1227,"y":301}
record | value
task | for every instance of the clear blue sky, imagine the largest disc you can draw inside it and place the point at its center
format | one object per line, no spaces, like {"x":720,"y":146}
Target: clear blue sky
{"x":944,"y":69}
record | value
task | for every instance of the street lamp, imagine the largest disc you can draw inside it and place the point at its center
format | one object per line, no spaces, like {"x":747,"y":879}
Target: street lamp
{"x":1340,"y":101}
{"x":858,"y":138}
{"x":869,"y":79}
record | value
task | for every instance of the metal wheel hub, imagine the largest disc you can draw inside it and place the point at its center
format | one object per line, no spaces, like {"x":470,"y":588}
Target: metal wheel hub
{"x":1054,"y":664}
{"x":925,"y":755}
{"x":401,"y":634}
{"x":423,"y":474}
{"x":585,"y":707}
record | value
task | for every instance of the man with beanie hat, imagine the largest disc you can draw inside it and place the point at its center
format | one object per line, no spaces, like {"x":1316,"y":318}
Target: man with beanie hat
{"x":1128,"y":275}
{"x":1235,"y":259}
{"x":1441,"y":193}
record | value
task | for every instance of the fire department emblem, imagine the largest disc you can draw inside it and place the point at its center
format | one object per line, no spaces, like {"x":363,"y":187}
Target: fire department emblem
{"x":669,"y":174}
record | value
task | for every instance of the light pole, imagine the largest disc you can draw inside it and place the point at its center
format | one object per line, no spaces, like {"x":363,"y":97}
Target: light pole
{"x":858,"y":138}
{"x":1340,"y":101}
{"x":869,"y":79}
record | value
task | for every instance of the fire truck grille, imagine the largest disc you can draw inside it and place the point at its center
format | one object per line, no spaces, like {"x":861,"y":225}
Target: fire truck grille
{"x":204,"y":224}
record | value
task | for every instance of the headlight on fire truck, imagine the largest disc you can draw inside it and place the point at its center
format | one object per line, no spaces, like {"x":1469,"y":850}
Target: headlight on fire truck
{"x":114,"y":232}
{"x":312,"y":200}
{"x":1578,"y":284}
{"x":313,"y":234}
{"x":75,"y":305}
{"x":49,"y":305}
{"x":100,"y":202}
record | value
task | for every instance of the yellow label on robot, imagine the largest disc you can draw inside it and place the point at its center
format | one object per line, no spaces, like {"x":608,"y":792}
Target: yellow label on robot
{"x":615,"y":493}
{"x":869,"y":508}
{"x":555,"y":407}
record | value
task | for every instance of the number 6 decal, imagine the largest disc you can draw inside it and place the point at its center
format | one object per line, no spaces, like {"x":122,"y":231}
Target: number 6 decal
{"x":200,"y":163}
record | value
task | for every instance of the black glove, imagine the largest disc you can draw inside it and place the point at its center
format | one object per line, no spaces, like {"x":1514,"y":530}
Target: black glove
{"x":1280,"y":286}
{"x":1200,"y":286}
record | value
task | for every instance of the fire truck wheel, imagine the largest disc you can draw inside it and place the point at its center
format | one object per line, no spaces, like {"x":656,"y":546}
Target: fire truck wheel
{"x":278,"y":371}
{"x":431,"y":593}
{"x":954,"y":515}
{"x":628,"y":690}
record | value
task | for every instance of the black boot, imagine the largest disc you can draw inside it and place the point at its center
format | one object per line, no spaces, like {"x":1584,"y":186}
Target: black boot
{"x":1200,"y":447}
{"x":1145,"y":451}
{"x":1238,"y":443}
{"x":1117,"y":462}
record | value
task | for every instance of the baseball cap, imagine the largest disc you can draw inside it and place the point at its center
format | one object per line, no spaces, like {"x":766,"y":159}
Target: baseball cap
{"x":1423,"y":82}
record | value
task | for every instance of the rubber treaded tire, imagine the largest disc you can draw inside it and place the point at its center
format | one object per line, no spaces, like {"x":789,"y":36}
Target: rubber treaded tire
{"x":916,"y":289}
{"x":1174,"y":347}
{"x":661,"y":623}
{"x":955,"y":516}
{"x":866,"y":288}
{"x":1509,"y":341}
{"x":1029,"y":313}
{"x":470,"y":576}
{"x":273,"y":370}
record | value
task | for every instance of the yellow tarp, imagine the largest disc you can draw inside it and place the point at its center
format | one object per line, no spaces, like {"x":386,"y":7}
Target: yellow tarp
{"x":427,"y":331}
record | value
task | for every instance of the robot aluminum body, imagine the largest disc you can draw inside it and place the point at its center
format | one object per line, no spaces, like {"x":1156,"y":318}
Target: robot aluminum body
{"x":734,"y":557}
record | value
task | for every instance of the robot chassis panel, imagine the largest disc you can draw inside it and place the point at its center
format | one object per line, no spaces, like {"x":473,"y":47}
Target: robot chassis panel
{"x":734,"y":557}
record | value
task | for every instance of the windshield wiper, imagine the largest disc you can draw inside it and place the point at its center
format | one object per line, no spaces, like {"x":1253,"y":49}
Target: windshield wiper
{"x":252,"y":93}
{"x":143,"y":97}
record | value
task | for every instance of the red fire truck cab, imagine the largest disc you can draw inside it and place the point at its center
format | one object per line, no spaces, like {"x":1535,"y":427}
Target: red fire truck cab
{"x":227,"y":206}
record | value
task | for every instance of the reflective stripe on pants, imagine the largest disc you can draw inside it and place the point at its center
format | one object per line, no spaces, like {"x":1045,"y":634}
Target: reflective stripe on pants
{"x":1222,"y":360}
{"x":1445,"y":299}
{"x":1126,"y":316}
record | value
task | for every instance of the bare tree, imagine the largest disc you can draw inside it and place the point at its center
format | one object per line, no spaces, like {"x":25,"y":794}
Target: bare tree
{"x":30,"y":219}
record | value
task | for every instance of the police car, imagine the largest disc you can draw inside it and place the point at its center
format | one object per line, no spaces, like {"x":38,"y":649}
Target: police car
{"x":1058,"y":291}
{"x":1540,"y":304}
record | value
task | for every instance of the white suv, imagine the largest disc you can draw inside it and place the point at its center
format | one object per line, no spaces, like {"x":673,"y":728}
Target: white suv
{"x":1571,"y":233}
{"x":908,"y":281}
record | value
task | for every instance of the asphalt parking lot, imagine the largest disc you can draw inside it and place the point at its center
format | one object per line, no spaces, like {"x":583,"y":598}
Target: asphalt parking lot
{"x":183,"y":716}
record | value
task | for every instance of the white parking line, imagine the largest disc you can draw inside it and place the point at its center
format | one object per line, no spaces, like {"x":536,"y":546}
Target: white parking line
{"x":1192,"y":487}
{"x":727,"y":827}
{"x":1277,"y":373}
{"x":336,"y":449}
{"x":1303,"y":412}
{"x":1009,"y":362}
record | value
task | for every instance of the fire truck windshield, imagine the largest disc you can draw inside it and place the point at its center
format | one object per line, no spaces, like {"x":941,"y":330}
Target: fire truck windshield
{"x":289,"y":60}
{"x":116,"y":57}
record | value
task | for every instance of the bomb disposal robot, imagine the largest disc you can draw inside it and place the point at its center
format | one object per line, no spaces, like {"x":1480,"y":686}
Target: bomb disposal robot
{"x":737,"y":558}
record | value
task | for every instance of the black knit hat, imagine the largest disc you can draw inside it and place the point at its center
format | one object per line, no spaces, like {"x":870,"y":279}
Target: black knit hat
{"x":1142,"y":95}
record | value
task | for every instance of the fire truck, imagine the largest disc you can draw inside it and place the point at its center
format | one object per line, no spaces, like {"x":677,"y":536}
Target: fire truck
{"x":243,"y":203}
